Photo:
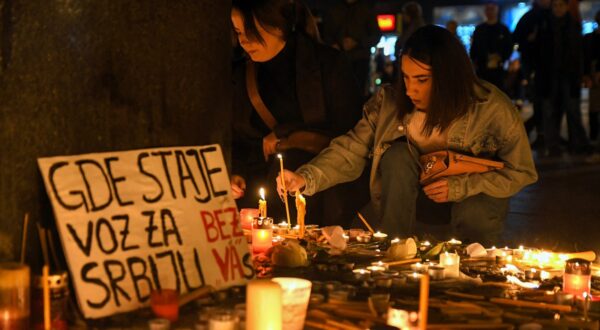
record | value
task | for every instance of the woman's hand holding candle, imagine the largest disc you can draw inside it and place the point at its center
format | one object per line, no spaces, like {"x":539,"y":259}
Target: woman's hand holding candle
{"x":293,"y":182}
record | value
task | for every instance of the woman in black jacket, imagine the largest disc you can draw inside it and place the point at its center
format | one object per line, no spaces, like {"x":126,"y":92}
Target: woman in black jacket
{"x":291,"y":96}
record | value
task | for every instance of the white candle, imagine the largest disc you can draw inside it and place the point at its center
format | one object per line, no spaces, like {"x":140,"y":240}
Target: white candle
{"x":263,"y":305}
{"x":451,"y":264}
{"x":294,"y":301}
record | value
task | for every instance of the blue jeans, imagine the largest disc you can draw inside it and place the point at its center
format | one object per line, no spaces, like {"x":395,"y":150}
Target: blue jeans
{"x":478,"y":218}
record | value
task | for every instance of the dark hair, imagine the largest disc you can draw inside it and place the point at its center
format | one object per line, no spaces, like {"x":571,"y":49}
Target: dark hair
{"x":453,"y":86}
{"x":285,"y":15}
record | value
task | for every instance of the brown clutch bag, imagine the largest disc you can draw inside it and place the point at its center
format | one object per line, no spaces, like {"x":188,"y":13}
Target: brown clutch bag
{"x":445,"y":163}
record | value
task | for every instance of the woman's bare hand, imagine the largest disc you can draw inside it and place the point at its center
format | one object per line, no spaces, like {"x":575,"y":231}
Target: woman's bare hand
{"x":437,"y":191}
{"x":238,"y":186}
{"x":293,"y":182}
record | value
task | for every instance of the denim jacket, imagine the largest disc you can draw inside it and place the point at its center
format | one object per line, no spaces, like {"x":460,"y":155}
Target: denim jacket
{"x":493,"y":129}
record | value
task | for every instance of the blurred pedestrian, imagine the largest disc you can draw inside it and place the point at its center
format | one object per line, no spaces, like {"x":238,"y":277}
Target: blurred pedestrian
{"x":525,"y":36}
{"x":351,"y":26}
{"x":558,"y":73}
{"x":491,"y":47}
{"x":591,"y":78}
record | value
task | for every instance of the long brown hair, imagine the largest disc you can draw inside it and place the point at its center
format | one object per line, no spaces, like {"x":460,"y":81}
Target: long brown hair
{"x":288,"y":16}
{"x":453,"y":86}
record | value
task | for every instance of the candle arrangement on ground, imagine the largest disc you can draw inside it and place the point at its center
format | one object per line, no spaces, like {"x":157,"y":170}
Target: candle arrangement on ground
{"x":380,"y":282}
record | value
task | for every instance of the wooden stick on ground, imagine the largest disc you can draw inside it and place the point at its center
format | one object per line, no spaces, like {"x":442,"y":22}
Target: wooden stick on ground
{"x":191,"y":296}
{"x":318,"y":325}
{"x":402,"y":262}
{"x":531,"y":304}
{"x":464,"y":295}
{"x":470,"y":326}
{"x":365,"y":222}
{"x":24,"y":237}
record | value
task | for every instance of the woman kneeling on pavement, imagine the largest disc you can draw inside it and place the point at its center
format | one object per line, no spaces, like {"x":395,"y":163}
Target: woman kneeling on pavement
{"x":439,"y":104}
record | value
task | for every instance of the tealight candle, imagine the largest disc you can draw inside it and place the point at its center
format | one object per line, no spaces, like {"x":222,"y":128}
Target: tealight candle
{"x":436,"y":272}
{"x":262,"y":234}
{"x":364,"y":237}
{"x":451,"y":264}
{"x":376,"y":269}
{"x":362,"y":274}
{"x":398,"y":318}
{"x":379,"y":236}
{"x":577,"y":277}
{"x":424,"y":245}
{"x":247,"y":217}
{"x":493,"y":252}
{"x":414,"y":277}
{"x":380,"y":264}
{"x":454,"y":242}
{"x":419,"y":267}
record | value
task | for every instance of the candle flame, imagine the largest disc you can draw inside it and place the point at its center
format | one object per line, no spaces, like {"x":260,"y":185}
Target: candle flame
{"x":279,"y":156}
{"x":6,"y":315}
{"x":261,"y":192}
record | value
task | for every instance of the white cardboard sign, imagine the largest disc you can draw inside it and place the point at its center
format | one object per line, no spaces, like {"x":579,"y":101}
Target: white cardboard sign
{"x":134,"y":221}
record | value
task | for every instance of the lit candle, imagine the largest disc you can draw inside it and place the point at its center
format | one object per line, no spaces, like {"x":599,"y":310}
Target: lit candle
{"x":454,"y":242}
{"x":376,"y":269}
{"x":263,"y":305}
{"x":380,"y":264}
{"x":301,"y":212}
{"x":364,"y":237}
{"x":577,"y":277}
{"x":285,"y":197}
{"x":247,"y":217}
{"x":398,"y":318}
{"x":520,"y":252}
{"x":395,"y":241}
{"x":379,"y":236}
{"x":262,"y":235}
{"x":436,"y":272}
{"x":451,"y":264}
{"x":419,"y":267}
{"x":424,"y":245}
{"x":14,"y":295}
{"x":493,"y":252}
{"x":262,"y":203}
{"x":362,"y":274}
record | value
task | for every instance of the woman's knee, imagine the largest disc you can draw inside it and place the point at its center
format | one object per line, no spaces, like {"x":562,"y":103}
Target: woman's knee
{"x":480,"y":218}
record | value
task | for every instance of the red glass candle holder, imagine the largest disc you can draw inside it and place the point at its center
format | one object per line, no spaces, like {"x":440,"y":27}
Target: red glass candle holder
{"x":247,"y":217}
{"x":165,"y":304}
{"x":262,"y":234}
{"x":577,"y":277}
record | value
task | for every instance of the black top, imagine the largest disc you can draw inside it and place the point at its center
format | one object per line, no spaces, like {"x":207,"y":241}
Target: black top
{"x":307,"y":86}
{"x":277,"y":87}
